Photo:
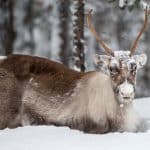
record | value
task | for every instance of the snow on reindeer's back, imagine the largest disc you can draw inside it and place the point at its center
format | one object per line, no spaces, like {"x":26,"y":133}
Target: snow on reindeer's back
{"x":122,"y":54}
{"x":3,"y":57}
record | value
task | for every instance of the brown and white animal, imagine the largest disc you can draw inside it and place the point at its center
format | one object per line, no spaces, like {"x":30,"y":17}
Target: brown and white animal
{"x":37,"y":91}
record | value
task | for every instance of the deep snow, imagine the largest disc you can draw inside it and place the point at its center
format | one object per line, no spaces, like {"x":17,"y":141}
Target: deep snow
{"x":56,"y":138}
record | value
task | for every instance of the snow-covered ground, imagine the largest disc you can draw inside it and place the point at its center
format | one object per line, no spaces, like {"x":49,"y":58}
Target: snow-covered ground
{"x":62,"y":138}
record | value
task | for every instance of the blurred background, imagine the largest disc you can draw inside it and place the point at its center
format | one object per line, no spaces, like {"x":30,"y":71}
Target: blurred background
{"x":57,"y":29}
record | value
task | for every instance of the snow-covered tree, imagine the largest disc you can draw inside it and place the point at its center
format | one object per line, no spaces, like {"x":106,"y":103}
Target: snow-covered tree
{"x":78,"y":36}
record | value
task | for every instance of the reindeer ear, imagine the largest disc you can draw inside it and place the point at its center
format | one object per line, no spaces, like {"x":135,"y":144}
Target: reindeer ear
{"x":101,"y":60}
{"x":140,"y":60}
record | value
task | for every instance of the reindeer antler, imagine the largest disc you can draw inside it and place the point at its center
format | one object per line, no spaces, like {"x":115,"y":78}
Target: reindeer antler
{"x":140,"y":33}
{"x":92,"y":29}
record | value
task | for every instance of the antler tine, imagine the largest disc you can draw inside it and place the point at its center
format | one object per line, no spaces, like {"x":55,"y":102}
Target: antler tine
{"x":92,"y":29}
{"x":140,"y":33}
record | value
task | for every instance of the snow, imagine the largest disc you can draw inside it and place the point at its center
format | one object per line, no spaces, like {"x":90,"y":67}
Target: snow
{"x":123,"y":3}
{"x":75,"y":67}
{"x":144,"y":5}
{"x":122,"y":54}
{"x":56,"y":138}
{"x":3,"y":57}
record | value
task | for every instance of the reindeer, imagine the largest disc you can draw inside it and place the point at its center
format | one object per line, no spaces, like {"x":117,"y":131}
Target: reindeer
{"x":37,"y":91}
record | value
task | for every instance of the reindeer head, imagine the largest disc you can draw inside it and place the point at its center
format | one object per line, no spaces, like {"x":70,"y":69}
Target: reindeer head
{"x":121,"y":66}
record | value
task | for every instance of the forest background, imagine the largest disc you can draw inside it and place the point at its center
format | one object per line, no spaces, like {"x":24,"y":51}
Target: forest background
{"x":57,"y":29}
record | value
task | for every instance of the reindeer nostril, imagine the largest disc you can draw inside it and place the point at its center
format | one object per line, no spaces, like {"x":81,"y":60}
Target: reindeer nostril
{"x":126,"y":97}
{"x":126,"y":89}
{"x":121,"y":93}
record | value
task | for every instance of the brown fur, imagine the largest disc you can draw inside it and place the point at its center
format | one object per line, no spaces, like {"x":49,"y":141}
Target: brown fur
{"x":35,"y":90}
{"x":10,"y":103}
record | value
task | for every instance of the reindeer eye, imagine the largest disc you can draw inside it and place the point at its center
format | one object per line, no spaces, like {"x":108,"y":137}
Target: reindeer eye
{"x":133,"y":66}
{"x":113,"y":70}
{"x":134,"y":72}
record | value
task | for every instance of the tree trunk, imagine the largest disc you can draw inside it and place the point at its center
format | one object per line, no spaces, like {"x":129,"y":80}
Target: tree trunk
{"x":7,"y":34}
{"x":78,"y":25}
{"x":64,"y":29}
{"x":28,"y":22}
